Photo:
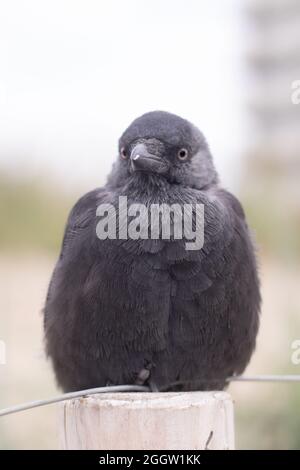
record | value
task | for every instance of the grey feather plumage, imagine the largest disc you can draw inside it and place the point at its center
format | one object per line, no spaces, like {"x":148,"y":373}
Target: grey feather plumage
{"x":150,"y":311}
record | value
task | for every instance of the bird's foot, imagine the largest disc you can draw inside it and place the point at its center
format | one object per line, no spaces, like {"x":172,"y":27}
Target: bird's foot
{"x":142,"y":377}
{"x":153,"y":387}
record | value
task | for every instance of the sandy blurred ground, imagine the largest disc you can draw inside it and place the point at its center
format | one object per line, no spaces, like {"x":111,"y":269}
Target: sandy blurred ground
{"x":28,"y":376}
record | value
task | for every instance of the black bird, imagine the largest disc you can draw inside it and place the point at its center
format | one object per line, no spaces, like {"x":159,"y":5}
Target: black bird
{"x":149,"y":311}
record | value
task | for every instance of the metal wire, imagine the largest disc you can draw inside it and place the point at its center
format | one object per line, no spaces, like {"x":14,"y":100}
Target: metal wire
{"x":69,"y":396}
{"x":265,"y":378}
{"x":135,"y":388}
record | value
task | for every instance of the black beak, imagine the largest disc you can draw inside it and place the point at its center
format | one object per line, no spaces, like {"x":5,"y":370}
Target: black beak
{"x":142,"y":160}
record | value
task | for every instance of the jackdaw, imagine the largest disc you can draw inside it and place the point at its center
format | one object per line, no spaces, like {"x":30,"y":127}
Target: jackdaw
{"x":142,"y":310}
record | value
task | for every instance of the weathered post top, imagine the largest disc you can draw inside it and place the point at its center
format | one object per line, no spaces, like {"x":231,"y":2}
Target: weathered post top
{"x":141,"y":421}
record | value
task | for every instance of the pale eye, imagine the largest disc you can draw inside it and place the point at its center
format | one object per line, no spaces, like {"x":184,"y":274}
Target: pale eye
{"x":123,"y":153}
{"x":182,"y":154}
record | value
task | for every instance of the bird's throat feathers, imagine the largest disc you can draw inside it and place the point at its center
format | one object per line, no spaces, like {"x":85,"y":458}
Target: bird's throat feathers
{"x":151,"y":188}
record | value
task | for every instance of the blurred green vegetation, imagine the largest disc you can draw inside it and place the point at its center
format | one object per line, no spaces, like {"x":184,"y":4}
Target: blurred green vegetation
{"x":276,"y":233}
{"x":275,"y":222}
{"x":32,"y":215}
{"x":270,"y":195}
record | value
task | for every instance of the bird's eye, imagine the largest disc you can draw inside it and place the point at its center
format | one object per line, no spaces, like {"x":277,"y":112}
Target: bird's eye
{"x":123,"y":153}
{"x":182,"y":154}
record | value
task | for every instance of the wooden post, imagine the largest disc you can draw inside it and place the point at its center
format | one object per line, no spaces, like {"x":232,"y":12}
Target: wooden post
{"x":153,"y":421}
{"x":148,"y":421}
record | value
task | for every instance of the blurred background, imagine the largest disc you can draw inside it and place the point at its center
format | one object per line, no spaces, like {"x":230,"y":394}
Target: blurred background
{"x":73,"y":75}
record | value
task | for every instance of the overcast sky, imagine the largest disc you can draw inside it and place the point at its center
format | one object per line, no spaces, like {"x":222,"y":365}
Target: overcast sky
{"x":74,"y":74}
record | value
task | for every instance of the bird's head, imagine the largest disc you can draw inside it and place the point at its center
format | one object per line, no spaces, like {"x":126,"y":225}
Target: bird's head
{"x":167,"y":146}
